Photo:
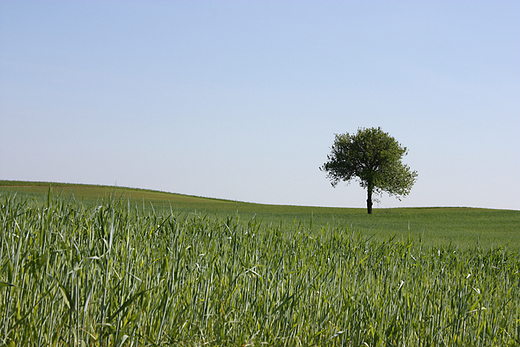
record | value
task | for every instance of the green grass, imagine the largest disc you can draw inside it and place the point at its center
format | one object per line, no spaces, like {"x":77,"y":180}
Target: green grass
{"x":114,"y":274}
{"x":461,"y":227}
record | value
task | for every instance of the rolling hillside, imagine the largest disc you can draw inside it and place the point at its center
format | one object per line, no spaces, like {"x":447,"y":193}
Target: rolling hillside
{"x":432,"y":225}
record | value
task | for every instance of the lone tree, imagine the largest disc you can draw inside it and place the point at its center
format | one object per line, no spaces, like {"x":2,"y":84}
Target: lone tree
{"x":374,"y":157}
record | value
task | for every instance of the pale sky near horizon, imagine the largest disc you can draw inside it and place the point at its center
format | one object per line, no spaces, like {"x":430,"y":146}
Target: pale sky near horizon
{"x":241,"y":99}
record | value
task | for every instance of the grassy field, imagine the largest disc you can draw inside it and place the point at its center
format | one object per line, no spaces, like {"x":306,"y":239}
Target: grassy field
{"x":112,"y":273}
{"x":457,"y":226}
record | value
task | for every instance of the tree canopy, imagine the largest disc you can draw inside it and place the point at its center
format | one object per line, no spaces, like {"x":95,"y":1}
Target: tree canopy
{"x":374,"y":158}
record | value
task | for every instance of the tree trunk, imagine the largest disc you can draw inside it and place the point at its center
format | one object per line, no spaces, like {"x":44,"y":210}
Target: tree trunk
{"x":369,"y":199}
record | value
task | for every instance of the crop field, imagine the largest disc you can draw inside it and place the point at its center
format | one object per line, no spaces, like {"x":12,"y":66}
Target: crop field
{"x":431,"y":226}
{"x":113,"y":270}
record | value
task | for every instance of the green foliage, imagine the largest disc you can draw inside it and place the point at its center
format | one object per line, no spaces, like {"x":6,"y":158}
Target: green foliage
{"x":115,"y":275}
{"x":373,"y":157}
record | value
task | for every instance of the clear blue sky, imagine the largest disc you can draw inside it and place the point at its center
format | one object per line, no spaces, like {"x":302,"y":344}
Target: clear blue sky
{"x":241,"y":99}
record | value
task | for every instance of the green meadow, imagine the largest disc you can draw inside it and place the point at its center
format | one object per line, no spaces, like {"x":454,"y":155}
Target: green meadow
{"x":109,"y":266}
{"x":458,"y":226}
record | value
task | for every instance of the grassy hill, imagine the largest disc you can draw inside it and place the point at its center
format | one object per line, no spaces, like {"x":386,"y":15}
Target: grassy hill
{"x":107,"y":266}
{"x":459,"y":226}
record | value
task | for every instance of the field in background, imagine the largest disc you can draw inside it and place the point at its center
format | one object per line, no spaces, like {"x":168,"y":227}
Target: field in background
{"x":459,"y":226}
